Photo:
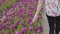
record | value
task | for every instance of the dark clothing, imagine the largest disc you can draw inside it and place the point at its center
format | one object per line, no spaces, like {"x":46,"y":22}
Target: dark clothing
{"x":54,"y":24}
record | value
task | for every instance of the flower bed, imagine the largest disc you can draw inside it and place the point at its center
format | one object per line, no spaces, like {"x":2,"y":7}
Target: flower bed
{"x":16,"y":17}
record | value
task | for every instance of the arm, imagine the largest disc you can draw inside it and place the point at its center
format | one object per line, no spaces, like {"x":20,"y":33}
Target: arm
{"x":39,"y":7}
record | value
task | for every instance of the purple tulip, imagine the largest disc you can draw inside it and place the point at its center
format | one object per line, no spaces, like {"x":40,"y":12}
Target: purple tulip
{"x":14,"y":5}
{"x":5,"y":13}
{"x":19,"y":4}
{"x":11,"y":18}
{"x":15,"y":25}
{"x":30,"y":28}
{"x":24,"y":24}
{"x":9,"y":32}
{"x":17,"y":32}
{"x":18,"y":22}
{"x":6,"y":26}
{"x":29,"y":20}
{"x":31,"y":7}
{"x":1,"y":2}
{"x":41,"y":28}
{"x":5,"y":10}
{"x":21,"y":32}
{"x":25,"y":4}
{"x":19,"y":15}
{"x":17,"y":12}
{"x":11,"y":10}
{"x":24,"y":29}
{"x":4,"y":0}
{"x":5,"y":20}
{"x":35,"y":29}
{"x":1,"y":26}
{"x":23,"y":9}
{"x":23,"y":16}
{"x":38,"y":30}
{"x":30,"y":13}
{"x":31,"y":23}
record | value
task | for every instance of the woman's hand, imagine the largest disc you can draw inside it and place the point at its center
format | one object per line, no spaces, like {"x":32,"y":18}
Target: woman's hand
{"x":35,"y":18}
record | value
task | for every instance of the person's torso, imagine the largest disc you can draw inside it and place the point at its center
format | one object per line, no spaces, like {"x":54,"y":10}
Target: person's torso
{"x":52,"y":7}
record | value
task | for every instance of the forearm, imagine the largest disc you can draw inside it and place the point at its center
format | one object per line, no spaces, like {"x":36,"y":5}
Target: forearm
{"x":39,"y":7}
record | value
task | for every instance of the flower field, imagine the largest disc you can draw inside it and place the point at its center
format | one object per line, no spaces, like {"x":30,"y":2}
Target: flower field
{"x":16,"y":17}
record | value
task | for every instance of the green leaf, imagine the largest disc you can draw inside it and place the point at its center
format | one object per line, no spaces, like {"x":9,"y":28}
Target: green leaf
{"x":28,"y":25}
{"x":21,"y":19}
{"x":1,"y":9}
{"x":40,"y":20}
{"x":9,"y":5}
{"x":34,"y":11}
{"x":14,"y":0}
{"x":26,"y":17}
{"x":16,"y":18}
{"x":30,"y":32}
{"x":5,"y":31}
{"x":37,"y":24}
{"x":19,"y":27}
{"x":14,"y":31}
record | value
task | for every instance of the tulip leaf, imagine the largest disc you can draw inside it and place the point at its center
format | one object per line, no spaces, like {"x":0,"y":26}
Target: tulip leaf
{"x":34,"y":11}
{"x":37,"y":24}
{"x":5,"y":31}
{"x":16,"y":18}
{"x":14,"y":0}
{"x":28,"y":25}
{"x":30,"y":32}
{"x":1,"y":9}
{"x":19,"y":27}
{"x":40,"y":20}
{"x":9,"y":5}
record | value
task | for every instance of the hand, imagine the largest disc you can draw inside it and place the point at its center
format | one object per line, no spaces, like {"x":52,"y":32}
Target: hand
{"x":35,"y":18}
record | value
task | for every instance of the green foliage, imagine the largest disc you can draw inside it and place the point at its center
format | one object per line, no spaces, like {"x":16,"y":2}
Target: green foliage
{"x":20,"y":26}
{"x":1,"y":9}
{"x":8,"y":5}
{"x":37,"y":24}
{"x":30,"y":32}
{"x":34,"y":11}
{"x":14,"y":0}
{"x":4,"y":31}
{"x":40,"y":20}
{"x":16,"y":18}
